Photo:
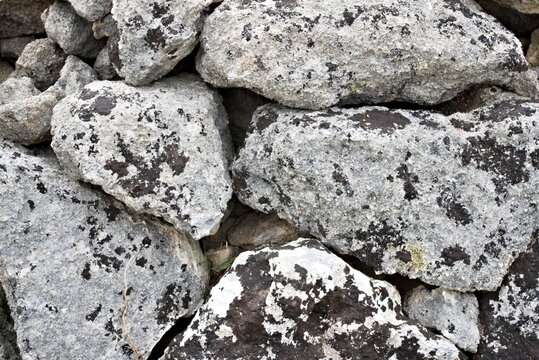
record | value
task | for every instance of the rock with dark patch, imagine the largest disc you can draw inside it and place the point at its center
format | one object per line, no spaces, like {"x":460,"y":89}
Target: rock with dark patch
{"x":76,"y":265}
{"x":173,"y":160}
{"x":524,"y":6}
{"x":8,"y":338}
{"x":91,"y":10}
{"x":509,"y":318}
{"x":449,"y":200}
{"x":300,"y":301}
{"x":12,"y":48}
{"x":452,"y":313}
{"x":152,"y":36}
{"x":21,"y":17}
{"x":314,"y":54}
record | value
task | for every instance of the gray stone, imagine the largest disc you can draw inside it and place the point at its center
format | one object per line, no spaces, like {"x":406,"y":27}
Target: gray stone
{"x":85,"y":278}
{"x":103,"y":66}
{"x":21,"y":17}
{"x":8,"y":338}
{"x":476,"y":98}
{"x":314,"y":54}
{"x":448,"y":200}
{"x":12,"y":48}
{"x":454,"y":314}
{"x":104,"y":28}
{"x":91,"y":10}
{"x":73,"y":33}
{"x":152,"y":36}
{"x":5,"y":70}
{"x":300,"y":301}
{"x":525,"y":6}
{"x":25,"y":112}
{"x":173,"y":161}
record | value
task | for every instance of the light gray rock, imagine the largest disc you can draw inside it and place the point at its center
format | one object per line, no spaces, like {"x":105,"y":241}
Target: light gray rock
{"x":300,"y":301}
{"x":71,"y":32}
{"x":5,"y":70}
{"x":448,"y":200}
{"x":314,"y":54}
{"x":91,"y":10}
{"x":476,"y":98}
{"x":454,"y":314}
{"x":25,"y":112}
{"x":173,"y":161}
{"x":8,"y":338}
{"x":103,"y":67}
{"x":221,"y":259}
{"x":21,"y":17}
{"x":12,"y":48}
{"x":152,"y":36}
{"x":84,"y":278}
{"x":525,"y":6}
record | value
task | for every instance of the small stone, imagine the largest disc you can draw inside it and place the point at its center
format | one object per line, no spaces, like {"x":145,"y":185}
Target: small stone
{"x":524,"y":6}
{"x":12,"y":48}
{"x":21,"y":17}
{"x":533,"y":51}
{"x":5,"y":70}
{"x":91,"y":10}
{"x":452,"y":313}
{"x":103,"y":67}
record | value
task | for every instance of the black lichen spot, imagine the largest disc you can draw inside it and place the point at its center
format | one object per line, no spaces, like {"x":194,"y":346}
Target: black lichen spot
{"x":454,"y":210}
{"x":404,"y":256}
{"x":535,"y":159}
{"x":386,"y":121}
{"x":168,"y":305}
{"x":265,"y":119}
{"x":103,"y":105}
{"x":155,"y":39}
{"x":410,"y":192}
{"x":31,"y":205}
{"x":117,"y":167}
{"x":141,"y":261}
{"x":112,"y":212}
{"x":376,"y":238}
{"x":158,"y":10}
{"x":462,"y":124}
{"x":93,"y":315}
{"x":239,"y":182}
{"x":41,"y":188}
{"x":452,"y":254}
{"x":86,"y":275}
{"x":108,"y":262}
{"x":175,"y":159}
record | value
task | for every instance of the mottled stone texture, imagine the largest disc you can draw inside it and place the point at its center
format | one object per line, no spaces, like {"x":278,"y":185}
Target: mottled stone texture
{"x":300,"y":301}
{"x":83,"y":277}
{"x":21,"y":17}
{"x":449,"y":200}
{"x":162,"y":149}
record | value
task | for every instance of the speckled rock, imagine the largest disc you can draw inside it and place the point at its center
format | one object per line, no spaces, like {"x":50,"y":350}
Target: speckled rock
{"x":299,"y":301}
{"x":152,"y":36}
{"x":8,"y":338}
{"x":173,"y":161}
{"x":448,"y":200}
{"x":509,"y":318}
{"x":314,"y":54}
{"x":91,"y":10}
{"x":76,"y":265}
{"x":21,"y":17}
{"x":103,"y":67}
{"x":12,"y":48}
{"x":525,"y":6}
{"x":5,"y":70}
{"x":71,"y":32}
{"x":452,"y":313}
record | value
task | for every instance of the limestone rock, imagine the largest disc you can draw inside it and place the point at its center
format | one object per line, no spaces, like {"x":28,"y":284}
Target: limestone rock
{"x":91,"y":10}
{"x":5,"y":70}
{"x":103,"y":67}
{"x":449,"y":200}
{"x":12,"y":48}
{"x":173,"y":161}
{"x":299,"y":301}
{"x":152,"y":36}
{"x":525,"y":6}
{"x":452,"y":313}
{"x":76,"y":265}
{"x":533,"y":51}
{"x":21,"y":17}
{"x":8,"y":338}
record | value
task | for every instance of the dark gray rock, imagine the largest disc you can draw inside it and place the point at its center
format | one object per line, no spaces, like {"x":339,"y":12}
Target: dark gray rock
{"x":21,"y":17}
{"x":5,"y":70}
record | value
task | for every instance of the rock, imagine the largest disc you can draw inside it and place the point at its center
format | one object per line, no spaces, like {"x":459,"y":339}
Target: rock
{"x":8,"y":338}
{"x":221,"y":259}
{"x":42,"y":61}
{"x":509,"y":318}
{"x":76,"y":265}
{"x":5,"y":70}
{"x":299,"y":301}
{"x":448,"y":200}
{"x":256,"y":229}
{"x":152,"y":36}
{"x":476,"y":98}
{"x":12,"y":48}
{"x":173,"y":161}
{"x":533,"y":51}
{"x":452,"y":313}
{"x":104,"y":28}
{"x":25,"y":112}
{"x":71,"y":32}
{"x":350,"y":52}
{"x":103,"y":67}
{"x":21,"y":17}
{"x":517,"y":22}
{"x":524,"y":6}
{"x":91,"y":10}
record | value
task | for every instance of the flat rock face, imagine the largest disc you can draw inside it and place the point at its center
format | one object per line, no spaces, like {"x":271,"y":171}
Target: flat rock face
{"x":525,"y":6}
{"x":509,"y":319}
{"x":152,"y":36}
{"x":91,"y":10}
{"x":448,"y":200}
{"x":21,"y":17}
{"x":358,"y":51}
{"x":452,"y":313}
{"x":171,"y":163}
{"x":300,"y":301}
{"x":61,"y":240}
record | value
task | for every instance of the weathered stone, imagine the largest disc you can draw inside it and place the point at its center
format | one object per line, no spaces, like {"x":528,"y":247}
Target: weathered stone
{"x":25,"y":112}
{"x":8,"y":338}
{"x":299,"y":301}
{"x":509,"y":318}
{"x":5,"y":70}
{"x":12,"y":48}
{"x":454,"y":314}
{"x":517,"y":22}
{"x":525,"y":6}
{"x":314,"y":54}
{"x":533,"y":51}
{"x":71,"y":32}
{"x":173,"y":161}
{"x":448,"y":200}
{"x":476,"y":98}
{"x":152,"y":36}
{"x":103,"y":67}
{"x":21,"y":17}
{"x":91,"y":10}
{"x":76,"y":265}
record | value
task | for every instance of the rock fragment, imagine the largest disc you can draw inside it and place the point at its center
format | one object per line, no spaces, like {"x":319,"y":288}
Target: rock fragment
{"x":21,"y":17}
{"x":91,"y":10}
{"x":449,"y":200}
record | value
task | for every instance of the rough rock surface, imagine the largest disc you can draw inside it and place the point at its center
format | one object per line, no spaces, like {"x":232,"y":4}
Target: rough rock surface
{"x":452,"y":313}
{"x":8,"y":338}
{"x":298,"y":300}
{"x":61,"y":240}
{"x":173,"y":161}
{"x":448,"y":200}
{"x":152,"y":36}
{"x":5,"y":70}
{"x":21,"y":17}
{"x":91,"y":10}
{"x":419,"y":51}
{"x":25,"y":112}
{"x":509,"y":318}
{"x":525,"y":6}
{"x":12,"y":48}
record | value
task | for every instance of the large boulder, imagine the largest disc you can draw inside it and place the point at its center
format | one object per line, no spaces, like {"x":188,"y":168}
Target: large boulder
{"x":300,"y":301}
{"x":83,"y":277}
{"x":173,"y":160}
{"x":21,"y":17}
{"x":449,"y":200}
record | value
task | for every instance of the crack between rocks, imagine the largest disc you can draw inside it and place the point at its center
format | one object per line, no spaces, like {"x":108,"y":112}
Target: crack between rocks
{"x":160,"y":347}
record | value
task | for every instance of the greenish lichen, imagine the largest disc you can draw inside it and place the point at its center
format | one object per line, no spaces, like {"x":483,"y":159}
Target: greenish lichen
{"x":418,"y":262}
{"x":357,"y":87}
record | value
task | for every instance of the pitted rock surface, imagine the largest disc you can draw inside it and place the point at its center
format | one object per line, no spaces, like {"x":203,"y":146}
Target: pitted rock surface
{"x":449,"y":200}
{"x":152,"y":36}
{"x":91,"y":10}
{"x":300,"y":301}
{"x":525,"y":6}
{"x":314,"y":54}
{"x":454,"y":314}
{"x":82,"y":276}
{"x":172,"y":162}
